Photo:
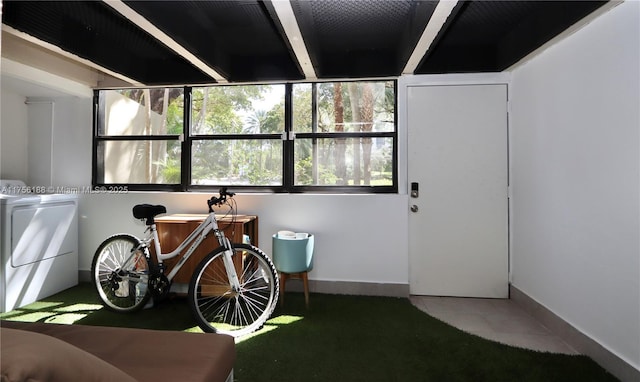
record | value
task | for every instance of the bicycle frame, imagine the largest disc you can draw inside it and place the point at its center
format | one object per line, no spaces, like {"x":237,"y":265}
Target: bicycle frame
{"x":193,"y":241}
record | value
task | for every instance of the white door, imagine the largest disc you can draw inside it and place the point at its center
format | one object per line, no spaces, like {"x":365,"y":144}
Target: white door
{"x":458,"y":237}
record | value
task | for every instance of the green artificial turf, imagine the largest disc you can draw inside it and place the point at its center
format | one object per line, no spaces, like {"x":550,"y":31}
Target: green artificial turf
{"x":348,"y":338}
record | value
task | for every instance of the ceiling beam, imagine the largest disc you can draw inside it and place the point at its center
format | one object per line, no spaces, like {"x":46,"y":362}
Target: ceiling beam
{"x":296,"y":41}
{"x":44,"y":79}
{"x":436,"y":22}
{"x":158,"y":34}
{"x":64,"y":53}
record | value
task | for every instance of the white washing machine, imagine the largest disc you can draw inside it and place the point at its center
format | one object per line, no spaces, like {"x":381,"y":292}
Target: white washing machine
{"x":38,"y":244}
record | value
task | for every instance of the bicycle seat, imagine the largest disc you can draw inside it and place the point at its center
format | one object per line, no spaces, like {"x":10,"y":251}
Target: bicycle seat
{"x":148,"y":211}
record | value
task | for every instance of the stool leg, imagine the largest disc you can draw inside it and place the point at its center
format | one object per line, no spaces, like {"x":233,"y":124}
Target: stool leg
{"x":305,"y":281}
{"x":283,"y":281}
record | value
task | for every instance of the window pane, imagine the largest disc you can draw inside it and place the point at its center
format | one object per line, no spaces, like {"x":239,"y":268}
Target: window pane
{"x":251,"y":109}
{"x":140,"y":162}
{"x":143,"y":111}
{"x":346,"y":107}
{"x":302,"y":108}
{"x":255,"y":162}
{"x":344,"y":161}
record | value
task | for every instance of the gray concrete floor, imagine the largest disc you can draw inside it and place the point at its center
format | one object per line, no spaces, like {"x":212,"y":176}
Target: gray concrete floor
{"x":500,"y":320}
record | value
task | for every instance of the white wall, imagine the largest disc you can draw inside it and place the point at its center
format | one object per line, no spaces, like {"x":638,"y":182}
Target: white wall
{"x":13,"y":136}
{"x":359,"y":238}
{"x":72,"y":142}
{"x":575,"y":136}
{"x":42,"y":142}
{"x":40,"y":118}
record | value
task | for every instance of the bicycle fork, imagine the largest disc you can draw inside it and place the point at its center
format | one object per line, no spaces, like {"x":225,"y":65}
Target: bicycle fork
{"x":227,"y":258}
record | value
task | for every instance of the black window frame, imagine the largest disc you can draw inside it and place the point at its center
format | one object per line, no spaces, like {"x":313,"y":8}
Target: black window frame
{"x":288,"y":162}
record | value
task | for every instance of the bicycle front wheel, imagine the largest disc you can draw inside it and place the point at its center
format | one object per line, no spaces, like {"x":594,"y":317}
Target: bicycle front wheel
{"x":220,"y":309}
{"x":120,"y":273}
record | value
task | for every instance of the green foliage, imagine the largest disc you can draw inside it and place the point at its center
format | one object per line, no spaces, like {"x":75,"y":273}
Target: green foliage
{"x":175,"y":116}
{"x":171,"y":171}
{"x":222,"y":115}
{"x":216,"y":110}
{"x":265,"y":122}
{"x":274,"y":121}
{"x":326,"y":176}
{"x":303,"y":171}
{"x":302,"y":112}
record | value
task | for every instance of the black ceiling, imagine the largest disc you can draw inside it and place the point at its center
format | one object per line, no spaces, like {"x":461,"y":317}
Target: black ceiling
{"x":246,"y":41}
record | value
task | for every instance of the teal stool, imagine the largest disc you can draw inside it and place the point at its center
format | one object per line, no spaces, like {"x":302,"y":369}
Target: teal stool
{"x":293,"y":258}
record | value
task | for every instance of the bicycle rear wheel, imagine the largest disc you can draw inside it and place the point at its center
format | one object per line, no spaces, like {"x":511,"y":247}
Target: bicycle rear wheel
{"x":217,"y":308}
{"x":120,"y":273}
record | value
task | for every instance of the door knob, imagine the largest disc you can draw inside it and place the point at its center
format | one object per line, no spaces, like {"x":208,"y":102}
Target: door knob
{"x":414,"y":208}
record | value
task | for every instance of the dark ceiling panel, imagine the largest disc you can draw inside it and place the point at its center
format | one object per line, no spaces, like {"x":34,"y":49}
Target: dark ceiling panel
{"x":92,"y":30}
{"x":361,"y":38}
{"x":490,"y":36}
{"x":236,"y":38}
{"x":244,"y":40}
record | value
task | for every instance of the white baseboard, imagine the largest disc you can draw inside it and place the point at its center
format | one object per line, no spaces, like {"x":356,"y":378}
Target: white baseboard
{"x":351,"y":287}
{"x":578,"y":340}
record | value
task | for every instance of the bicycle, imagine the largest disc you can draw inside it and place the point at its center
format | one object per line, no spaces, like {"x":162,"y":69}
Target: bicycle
{"x":233,"y":290}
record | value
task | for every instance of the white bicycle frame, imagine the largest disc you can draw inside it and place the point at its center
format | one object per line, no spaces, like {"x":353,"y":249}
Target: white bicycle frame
{"x":195,"y":238}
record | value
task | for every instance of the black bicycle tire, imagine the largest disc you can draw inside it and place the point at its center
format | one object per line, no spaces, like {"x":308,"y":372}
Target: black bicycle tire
{"x":94,"y":279}
{"x":266,"y":313}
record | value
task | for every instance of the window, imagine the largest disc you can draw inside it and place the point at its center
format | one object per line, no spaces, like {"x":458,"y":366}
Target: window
{"x":236,"y":135}
{"x":329,"y":136}
{"x":344,"y":134}
{"x":137,"y":137}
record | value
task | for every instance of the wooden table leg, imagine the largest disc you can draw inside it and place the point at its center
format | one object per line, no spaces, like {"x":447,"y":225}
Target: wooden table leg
{"x":283,"y":281}
{"x":305,"y":281}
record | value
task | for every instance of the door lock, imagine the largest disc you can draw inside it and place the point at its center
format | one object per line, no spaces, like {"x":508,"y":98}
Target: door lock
{"x":414,"y":189}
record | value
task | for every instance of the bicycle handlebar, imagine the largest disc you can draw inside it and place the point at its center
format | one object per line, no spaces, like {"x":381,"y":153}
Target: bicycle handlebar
{"x":221,"y":199}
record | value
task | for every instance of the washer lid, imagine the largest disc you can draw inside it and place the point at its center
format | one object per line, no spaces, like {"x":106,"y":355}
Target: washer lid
{"x":11,"y":189}
{"x":11,"y":183}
